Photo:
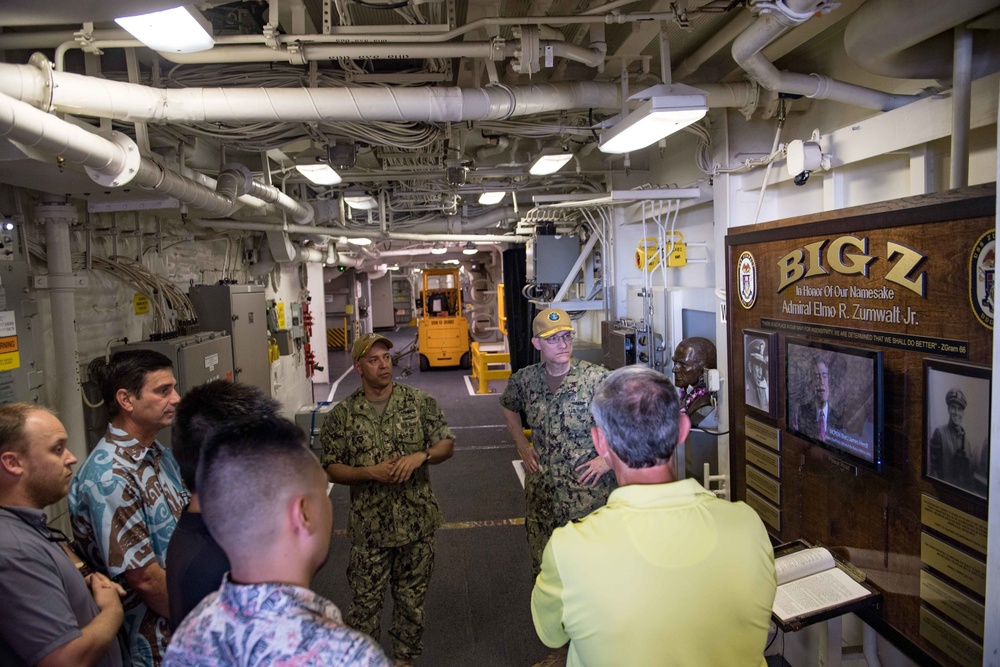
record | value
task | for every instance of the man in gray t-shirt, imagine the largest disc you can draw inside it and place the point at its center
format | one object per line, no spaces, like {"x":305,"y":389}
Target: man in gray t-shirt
{"x":49,"y":609}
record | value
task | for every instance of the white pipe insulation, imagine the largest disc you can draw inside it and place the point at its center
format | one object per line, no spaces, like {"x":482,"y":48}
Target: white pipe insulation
{"x":747,"y":53}
{"x":336,"y":232}
{"x":116,"y":161}
{"x":92,"y":96}
{"x":912,"y":39}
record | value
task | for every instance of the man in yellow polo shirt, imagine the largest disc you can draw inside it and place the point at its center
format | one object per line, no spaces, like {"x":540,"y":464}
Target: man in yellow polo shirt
{"x":665,"y":573}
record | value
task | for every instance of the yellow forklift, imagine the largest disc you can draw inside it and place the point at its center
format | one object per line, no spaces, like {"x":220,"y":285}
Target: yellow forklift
{"x":442,"y":331}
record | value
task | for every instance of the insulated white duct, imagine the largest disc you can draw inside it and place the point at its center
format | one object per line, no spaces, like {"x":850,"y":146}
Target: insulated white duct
{"x":747,"y":53}
{"x":91,"y":96}
{"x":116,"y":162}
{"x":350,"y":233}
{"x":911,"y":39}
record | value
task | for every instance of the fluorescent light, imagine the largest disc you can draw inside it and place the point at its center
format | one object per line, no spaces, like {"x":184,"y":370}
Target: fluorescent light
{"x":451,"y":261}
{"x":359,"y":240}
{"x":177,"y":30}
{"x":319,"y":173}
{"x":656,"y":118}
{"x":491,"y":198}
{"x":470,"y":249}
{"x":438,"y":249}
{"x":549,"y":163}
{"x":361,"y":202}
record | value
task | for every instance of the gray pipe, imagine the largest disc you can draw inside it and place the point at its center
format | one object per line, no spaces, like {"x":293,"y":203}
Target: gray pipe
{"x":747,"y":53}
{"x":961,"y":107}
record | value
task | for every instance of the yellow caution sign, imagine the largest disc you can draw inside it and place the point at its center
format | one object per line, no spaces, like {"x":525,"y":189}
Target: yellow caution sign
{"x":140,"y":304}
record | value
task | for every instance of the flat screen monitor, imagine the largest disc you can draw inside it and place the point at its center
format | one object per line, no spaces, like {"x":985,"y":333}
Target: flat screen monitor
{"x":834,"y":398}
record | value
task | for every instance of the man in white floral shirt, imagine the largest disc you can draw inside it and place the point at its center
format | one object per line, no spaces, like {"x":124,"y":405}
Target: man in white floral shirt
{"x":264,"y":499}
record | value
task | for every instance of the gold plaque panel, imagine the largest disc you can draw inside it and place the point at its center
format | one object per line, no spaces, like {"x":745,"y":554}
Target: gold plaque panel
{"x":766,"y":435}
{"x":956,"y":524}
{"x":763,"y":459}
{"x":953,"y":603}
{"x":769,"y":514}
{"x":950,"y":640}
{"x":768,"y":487}
{"x":963,"y":568}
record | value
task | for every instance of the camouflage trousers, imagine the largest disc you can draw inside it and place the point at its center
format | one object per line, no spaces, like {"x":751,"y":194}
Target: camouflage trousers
{"x":407,"y":570}
{"x":548,"y":507}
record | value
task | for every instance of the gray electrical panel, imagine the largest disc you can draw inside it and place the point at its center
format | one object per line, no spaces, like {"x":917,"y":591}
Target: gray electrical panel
{"x":197,"y":359}
{"x":19,"y":379}
{"x":241,"y":312}
{"x":550,"y":258}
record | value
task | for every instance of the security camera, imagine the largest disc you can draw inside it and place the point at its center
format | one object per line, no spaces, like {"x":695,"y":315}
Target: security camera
{"x":801,"y":178}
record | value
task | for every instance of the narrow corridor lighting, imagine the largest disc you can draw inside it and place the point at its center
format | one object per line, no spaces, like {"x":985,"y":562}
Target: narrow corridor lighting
{"x":491,"y":198}
{"x":470,"y":249}
{"x":656,"y":118}
{"x":319,"y":173}
{"x":361,"y":202}
{"x":549,"y":163}
{"x":177,"y":30}
{"x":359,"y":240}
{"x":438,"y":249}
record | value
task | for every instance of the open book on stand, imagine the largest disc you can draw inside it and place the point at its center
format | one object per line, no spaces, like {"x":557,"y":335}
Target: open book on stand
{"x":814,"y":586}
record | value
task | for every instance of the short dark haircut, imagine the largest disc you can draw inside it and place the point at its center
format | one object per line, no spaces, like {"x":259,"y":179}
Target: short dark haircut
{"x":638,"y":411}
{"x":126,"y":370}
{"x":204,"y":409}
{"x":246,"y":467}
{"x":12,"y":419}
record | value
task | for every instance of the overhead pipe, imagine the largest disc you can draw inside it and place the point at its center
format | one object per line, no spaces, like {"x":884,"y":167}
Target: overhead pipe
{"x":116,"y":162}
{"x":912,"y":39}
{"x":90,"y":96}
{"x":713,"y":45}
{"x":335,"y":232}
{"x":747,"y":54}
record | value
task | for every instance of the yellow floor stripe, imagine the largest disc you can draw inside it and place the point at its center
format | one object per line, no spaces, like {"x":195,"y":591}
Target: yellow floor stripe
{"x":456,"y":525}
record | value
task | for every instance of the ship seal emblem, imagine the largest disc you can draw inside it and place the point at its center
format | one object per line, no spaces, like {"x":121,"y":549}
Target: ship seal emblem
{"x":982,"y":277}
{"x":746,"y":275}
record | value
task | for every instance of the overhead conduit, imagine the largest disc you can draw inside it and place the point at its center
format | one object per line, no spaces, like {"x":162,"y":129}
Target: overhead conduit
{"x":116,"y":162}
{"x":785,"y":14}
{"x":90,"y":96}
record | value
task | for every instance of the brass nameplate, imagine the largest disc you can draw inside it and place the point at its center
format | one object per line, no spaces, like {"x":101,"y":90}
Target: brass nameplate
{"x":763,"y":459}
{"x":769,"y":514}
{"x":768,"y":487}
{"x":950,"y":640}
{"x":953,"y":603}
{"x":963,"y":568}
{"x":956,"y":524}
{"x":762,"y":433}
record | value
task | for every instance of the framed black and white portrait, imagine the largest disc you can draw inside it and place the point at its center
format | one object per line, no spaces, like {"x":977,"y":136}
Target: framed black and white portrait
{"x":957,"y":425}
{"x":760,"y":371}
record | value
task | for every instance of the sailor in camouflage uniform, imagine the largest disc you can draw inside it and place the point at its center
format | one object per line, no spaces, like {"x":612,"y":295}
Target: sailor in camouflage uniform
{"x":379,"y":440}
{"x":566,"y":478}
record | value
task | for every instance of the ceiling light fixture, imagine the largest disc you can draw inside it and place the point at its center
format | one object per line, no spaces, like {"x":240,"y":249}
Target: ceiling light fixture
{"x":438,"y":248}
{"x":177,"y":30}
{"x":671,"y":108}
{"x":549,"y":162}
{"x":319,"y":173}
{"x":361,"y":202}
{"x":359,"y":240}
{"x":491,"y":198}
{"x":470,"y":249}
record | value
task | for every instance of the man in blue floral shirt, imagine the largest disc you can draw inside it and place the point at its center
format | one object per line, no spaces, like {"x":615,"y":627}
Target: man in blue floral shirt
{"x":264,"y":499}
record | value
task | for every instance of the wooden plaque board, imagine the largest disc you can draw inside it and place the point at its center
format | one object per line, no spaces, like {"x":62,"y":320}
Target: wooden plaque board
{"x":896,"y":277}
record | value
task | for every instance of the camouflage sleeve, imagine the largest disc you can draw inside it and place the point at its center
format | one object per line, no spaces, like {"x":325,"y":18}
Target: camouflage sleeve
{"x":511,"y":398}
{"x":435,"y":426}
{"x":333,"y":435}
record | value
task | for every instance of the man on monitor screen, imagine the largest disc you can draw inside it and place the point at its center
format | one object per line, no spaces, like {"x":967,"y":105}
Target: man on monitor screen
{"x":818,"y":417}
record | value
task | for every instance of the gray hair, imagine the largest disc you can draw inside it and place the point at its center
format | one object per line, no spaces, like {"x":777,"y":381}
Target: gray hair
{"x":638,"y":411}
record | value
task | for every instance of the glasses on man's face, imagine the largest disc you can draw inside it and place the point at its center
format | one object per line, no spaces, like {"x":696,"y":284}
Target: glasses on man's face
{"x":564,"y":338}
